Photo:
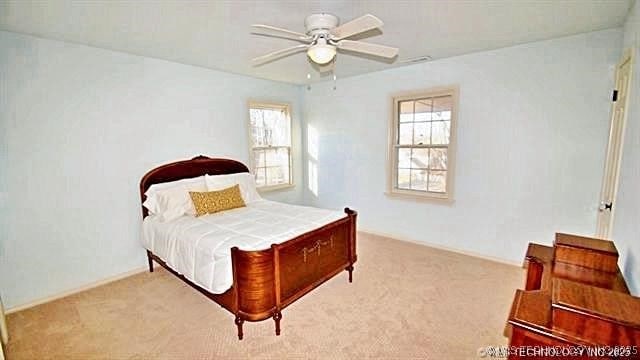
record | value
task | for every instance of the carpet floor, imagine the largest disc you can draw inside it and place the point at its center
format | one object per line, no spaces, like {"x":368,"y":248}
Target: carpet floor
{"x":406,"y":301}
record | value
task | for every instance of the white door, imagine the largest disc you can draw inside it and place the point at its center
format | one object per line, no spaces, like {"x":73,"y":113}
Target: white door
{"x":606,"y":207}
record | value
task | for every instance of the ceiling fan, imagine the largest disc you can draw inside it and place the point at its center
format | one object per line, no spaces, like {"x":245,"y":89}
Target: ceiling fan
{"x":323,"y":38}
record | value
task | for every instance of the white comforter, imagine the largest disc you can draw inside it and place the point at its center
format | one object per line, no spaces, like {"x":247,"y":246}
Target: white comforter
{"x":200,"y":247}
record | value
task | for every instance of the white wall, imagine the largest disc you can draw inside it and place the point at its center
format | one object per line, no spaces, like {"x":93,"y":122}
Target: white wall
{"x":80,"y":126}
{"x":532,"y":130}
{"x":4,"y":167}
{"x":626,"y":228}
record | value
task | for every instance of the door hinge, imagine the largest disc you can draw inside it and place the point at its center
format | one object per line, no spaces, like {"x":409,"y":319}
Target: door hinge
{"x":614,"y":97}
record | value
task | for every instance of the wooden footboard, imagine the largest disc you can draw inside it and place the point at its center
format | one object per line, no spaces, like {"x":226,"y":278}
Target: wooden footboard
{"x":266,"y":281}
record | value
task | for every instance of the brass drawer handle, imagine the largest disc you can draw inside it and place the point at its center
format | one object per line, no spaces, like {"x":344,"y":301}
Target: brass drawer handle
{"x":316,"y":247}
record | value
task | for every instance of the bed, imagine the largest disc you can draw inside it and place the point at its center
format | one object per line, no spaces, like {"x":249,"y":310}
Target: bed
{"x":260,"y":259}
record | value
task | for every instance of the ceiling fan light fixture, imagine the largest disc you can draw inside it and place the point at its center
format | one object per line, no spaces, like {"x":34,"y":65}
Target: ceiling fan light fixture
{"x":324,"y":37}
{"x":321,"y":53}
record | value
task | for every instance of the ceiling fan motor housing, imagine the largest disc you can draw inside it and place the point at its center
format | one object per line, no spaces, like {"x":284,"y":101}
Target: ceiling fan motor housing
{"x":320,"y":24}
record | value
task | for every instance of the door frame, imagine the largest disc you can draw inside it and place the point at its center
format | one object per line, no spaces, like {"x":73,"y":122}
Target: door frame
{"x":4,"y":333}
{"x":614,"y":181}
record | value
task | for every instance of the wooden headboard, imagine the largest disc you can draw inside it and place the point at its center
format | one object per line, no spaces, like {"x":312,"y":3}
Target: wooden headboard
{"x":199,"y":165}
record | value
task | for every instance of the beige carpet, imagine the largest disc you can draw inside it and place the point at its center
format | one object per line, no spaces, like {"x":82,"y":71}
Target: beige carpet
{"x":406,"y":301}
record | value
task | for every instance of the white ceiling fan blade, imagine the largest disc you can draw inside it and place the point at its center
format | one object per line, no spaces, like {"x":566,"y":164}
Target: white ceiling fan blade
{"x":278,"y":32}
{"x":278,"y":54}
{"x":368,"y":48}
{"x":356,"y":26}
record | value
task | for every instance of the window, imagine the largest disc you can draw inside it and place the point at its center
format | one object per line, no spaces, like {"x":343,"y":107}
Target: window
{"x":270,"y":138}
{"x":422,"y":135}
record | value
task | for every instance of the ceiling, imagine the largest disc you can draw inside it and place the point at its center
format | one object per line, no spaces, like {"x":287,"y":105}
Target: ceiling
{"x":216,"y":34}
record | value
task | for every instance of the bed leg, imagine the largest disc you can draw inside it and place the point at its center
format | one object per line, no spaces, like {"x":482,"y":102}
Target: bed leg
{"x":350,"y":270}
{"x":150,"y":259}
{"x":277,"y":316}
{"x":239,"y":321}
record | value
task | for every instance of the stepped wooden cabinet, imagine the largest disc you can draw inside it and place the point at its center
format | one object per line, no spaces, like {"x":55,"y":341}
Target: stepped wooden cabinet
{"x":575,"y":301}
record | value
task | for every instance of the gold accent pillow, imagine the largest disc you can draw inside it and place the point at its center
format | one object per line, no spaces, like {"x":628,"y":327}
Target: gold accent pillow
{"x":215,"y":201}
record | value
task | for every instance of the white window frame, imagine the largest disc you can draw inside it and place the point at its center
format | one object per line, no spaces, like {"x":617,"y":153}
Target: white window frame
{"x":392,"y":160}
{"x":287,"y":110}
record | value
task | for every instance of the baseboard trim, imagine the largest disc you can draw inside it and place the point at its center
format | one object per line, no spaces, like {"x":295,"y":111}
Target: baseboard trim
{"x":75,"y":290}
{"x":441,"y":247}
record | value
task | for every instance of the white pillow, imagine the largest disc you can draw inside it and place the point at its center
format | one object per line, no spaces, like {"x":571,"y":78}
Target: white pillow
{"x":246,"y":181}
{"x":171,"y":200}
{"x":176,"y":201}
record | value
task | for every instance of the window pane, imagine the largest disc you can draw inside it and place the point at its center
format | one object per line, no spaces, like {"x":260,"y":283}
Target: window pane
{"x":406,"y":118}
{"x":281,"y":133}
{"x":419,"y":180}
{"x":257,"y":127}
{"x":422,"y":133}
{"x":404,"y":178}
{"x":437,"y":181}
{"x":420,"y":158}
{"x":423,"y":110}
{"x":276,"y":171}
{"x":406,"y":107}
{"x":442,"y":108}
{"x":270,"y":127}
{"x":420,"y":117}
{"x":404,"y":158}
{"x":256,"y":136}
{"x":406,"y":134}
{"x":256,"y":117}
{"x":277,"y":157}
{"x":438,"y":159}
{"x":440,"y":132}
{"x":276,"y":175}
{"x":270,"y":124}
{"x":261,"y":179}
{"x":271,"y":157}
{"x":283,"y":156}
{"x":259,"y":158}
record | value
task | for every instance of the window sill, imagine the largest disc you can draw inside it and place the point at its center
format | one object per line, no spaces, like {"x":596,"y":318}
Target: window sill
{"x":275,"y":187}
{"x":416,"y":196}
